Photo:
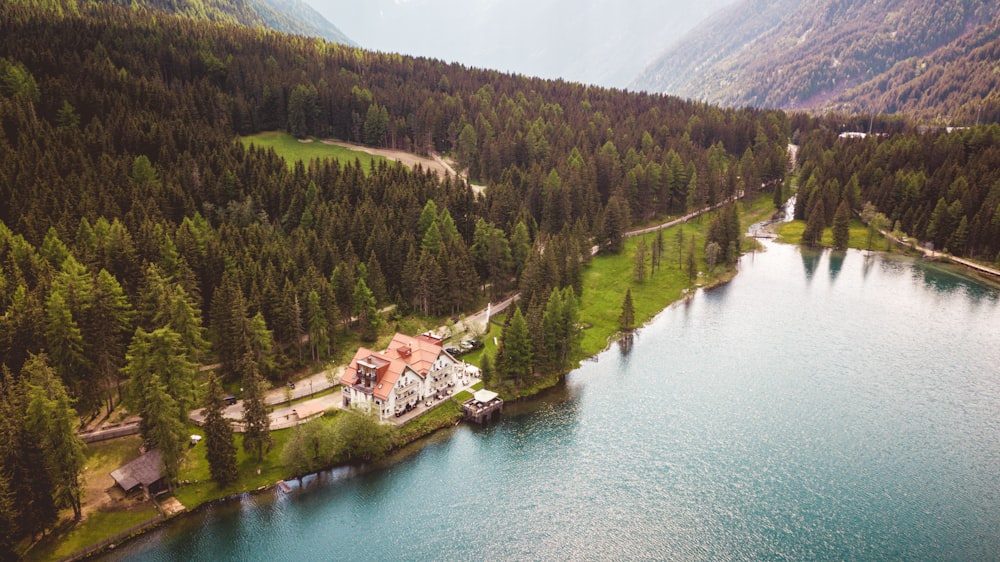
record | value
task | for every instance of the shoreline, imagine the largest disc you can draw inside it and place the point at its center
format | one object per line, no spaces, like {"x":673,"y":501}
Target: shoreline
{"x":543,"y":384}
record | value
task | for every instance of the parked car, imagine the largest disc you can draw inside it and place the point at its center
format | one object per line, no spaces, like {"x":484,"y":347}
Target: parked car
{"x":230,"y":399}
{"x":453,"y":351}
{"x":291,"y":385}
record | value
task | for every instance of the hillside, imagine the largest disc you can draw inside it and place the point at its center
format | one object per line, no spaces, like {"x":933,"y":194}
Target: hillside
{"x":288,"y":16}
{"x":958,"y":84}
{"x":799,"y":54}
{"x":714,"y":40}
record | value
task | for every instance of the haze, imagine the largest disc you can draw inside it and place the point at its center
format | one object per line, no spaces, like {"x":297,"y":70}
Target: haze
{"x":603,"y":42}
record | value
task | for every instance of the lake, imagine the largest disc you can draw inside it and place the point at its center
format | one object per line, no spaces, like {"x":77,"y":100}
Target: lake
{"x":819,"y":406}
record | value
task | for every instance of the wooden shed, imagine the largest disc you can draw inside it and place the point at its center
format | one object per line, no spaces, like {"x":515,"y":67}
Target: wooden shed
{"x":145,"y":472}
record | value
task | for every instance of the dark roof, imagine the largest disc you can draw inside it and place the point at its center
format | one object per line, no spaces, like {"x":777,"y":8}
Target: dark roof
{"x":144,"y":470}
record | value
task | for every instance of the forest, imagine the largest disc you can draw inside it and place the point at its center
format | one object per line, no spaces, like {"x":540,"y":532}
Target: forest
{"x":939,"y":187}
{"x":140,"y":238}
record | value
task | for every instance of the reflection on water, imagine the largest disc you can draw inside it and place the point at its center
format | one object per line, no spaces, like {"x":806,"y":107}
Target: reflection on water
{"x":836,"y":263}
{"x":810,"y":261}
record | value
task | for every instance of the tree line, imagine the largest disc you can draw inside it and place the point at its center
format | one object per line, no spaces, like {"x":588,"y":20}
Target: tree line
{"x":937,"y":186}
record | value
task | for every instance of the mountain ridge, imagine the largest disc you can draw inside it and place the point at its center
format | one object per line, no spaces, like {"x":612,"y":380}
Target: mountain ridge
{"x":820,"y":54}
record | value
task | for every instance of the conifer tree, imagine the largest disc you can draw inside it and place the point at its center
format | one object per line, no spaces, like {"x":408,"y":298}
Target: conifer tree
{"x":815,"y":224}
{"x":841,"y":225}
{"x":161,"y":426}
{"x":626,"y":320}
{"x":515,"y":357}
{"x":219,"y":444}
{"x":486,"y":368}
{"x":110,"y":324}
{"x":639,"y":261}
{"x":257,"y":439}
{"x":692,"y":264}
{"x":51,"y":420}
{"x":21,"y":456}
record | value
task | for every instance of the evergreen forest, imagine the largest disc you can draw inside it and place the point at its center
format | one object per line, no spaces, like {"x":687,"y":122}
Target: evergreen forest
{"x":141,"y":239}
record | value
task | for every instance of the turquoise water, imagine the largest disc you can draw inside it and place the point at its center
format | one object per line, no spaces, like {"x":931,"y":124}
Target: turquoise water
{"x":820,"y":406}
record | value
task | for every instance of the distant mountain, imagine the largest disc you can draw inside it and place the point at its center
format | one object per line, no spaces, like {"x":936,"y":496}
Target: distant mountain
{"x":299,"y":18}
{"x":602,"y":42}
{"x":713,"y":41}
{"x":958,"y":84}
{"x":813,"y":54}
{"x":288,"y":16}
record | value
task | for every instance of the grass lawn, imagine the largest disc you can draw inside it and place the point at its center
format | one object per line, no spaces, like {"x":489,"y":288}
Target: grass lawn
{"x":289,"y":148}
{"x":445,"y":414}
{"x":98,"y":526}
{"x":199,"y":487}
{"x":609,"y":276}
{"x":791,"y":233}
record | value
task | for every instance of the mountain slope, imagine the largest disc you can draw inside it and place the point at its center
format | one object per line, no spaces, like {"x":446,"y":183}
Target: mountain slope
{"x":715,"y":39}
{"x":809,"y":52}
{"x":299,"y":18}
{"x":958,"y":84}
{"x":287,"y":16}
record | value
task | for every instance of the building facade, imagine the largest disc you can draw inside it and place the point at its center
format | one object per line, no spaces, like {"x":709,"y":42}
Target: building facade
{"x":393,"y":381}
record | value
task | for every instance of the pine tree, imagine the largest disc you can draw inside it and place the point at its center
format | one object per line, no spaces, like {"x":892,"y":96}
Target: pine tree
{"x":552,"y":332}
{"x":515,"y":355}
{"x":626,"y":320}
{"x":257,"y":439}
{"x":366,"y":311}
{"x":228,"y":318}
{"x":815,"y":224}
{"x":21,"y":459}
{"x":841,"y":225}
{"x":219,"y":444}
{"x":486,"y":368}
{"x":8,"y":519}
{"x":692,"y":264}
{"x":319,"y":339}
{"x":51,"y":420}
{"x":958,"y":240}
{"x":161,"y":353}
{"x":111,"y":325}
{"x":160,"y":425}
{"x":639,"y":261}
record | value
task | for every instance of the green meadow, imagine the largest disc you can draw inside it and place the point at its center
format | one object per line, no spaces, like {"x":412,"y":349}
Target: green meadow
{"x":293,"y":150}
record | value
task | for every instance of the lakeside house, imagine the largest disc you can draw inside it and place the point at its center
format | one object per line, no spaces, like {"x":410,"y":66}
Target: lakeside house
{"x":409,"y":371}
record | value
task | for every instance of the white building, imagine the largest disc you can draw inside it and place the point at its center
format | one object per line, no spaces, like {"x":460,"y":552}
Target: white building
{"x":397,"y":379}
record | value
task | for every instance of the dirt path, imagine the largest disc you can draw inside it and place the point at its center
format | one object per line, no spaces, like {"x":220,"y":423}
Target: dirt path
{"x":410,"y":160}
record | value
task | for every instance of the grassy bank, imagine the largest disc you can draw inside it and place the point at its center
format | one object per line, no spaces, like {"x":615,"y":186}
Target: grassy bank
{"x":791,"y":233}
{"x":609,"y":276}
{"x":605,"y":282}
{"x":293,"y":150}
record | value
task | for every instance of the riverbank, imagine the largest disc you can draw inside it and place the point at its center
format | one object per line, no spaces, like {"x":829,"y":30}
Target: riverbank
{"x":605,"y":280}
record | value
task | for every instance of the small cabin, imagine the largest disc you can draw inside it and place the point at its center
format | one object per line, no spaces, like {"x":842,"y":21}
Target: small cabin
{"x":145,"y":473}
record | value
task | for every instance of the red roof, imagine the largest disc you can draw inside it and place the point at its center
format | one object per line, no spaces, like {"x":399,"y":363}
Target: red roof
{"x":404,"y":351}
